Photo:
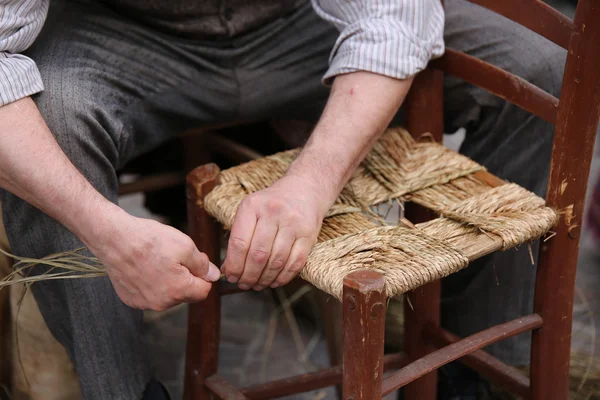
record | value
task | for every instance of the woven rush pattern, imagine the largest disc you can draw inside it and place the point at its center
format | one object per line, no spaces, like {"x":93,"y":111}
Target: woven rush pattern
{"x":396,"y":166}
{"x":509,"y":211}
{"x":476,"y":217}
{"x":408,"y":258}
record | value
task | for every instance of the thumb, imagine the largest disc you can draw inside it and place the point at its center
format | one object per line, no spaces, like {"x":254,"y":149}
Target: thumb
{"x":201,"y":267}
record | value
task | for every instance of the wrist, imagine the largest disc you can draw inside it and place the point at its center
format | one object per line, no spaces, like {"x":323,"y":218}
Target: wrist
{"x":312,"y":182}
{"x":98,"y":222}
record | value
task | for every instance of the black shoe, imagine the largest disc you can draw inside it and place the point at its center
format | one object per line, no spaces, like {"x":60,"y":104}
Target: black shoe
{"x":156,"y":391}
{"x":457,"y":382}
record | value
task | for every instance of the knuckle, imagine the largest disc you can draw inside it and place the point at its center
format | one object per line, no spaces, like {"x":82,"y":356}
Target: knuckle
{"x":177,"y":295}
{"x":273,"y":206}
{"x":283,"y":279}
{"x":249,"y":201}
{"x":203,"y":259}
{"x":189,"y":245}
{"x":307,"y":229}
{"x":259,"y":256}
{"x":138,"y":253}
{"x":237,"y":245}
{"x":276,"y":264}
{"x":296,"y":216}
{"x":250,"y":277}
{"x":233,"y":271}
{"x":250,"y":281}
{"x":296,"y":266}
{"x":184,"y":287}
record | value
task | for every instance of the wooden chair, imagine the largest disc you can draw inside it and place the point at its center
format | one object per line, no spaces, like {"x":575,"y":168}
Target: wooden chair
{"x":575,"y":115}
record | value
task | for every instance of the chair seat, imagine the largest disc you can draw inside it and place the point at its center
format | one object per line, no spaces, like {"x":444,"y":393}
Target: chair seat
{"x":478,"y":213}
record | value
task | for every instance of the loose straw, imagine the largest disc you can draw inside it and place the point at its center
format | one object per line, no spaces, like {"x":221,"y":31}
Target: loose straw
{"x":65,"y":265}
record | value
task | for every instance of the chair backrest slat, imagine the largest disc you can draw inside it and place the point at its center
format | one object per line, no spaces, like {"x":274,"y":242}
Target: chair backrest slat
{"x":534,"y":15}
{"x":499,"y":82}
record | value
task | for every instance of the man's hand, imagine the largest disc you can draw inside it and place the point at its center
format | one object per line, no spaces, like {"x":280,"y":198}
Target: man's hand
{"x":275,"y":229}
{"x":153,"y":266}
{"x":273,"y":233}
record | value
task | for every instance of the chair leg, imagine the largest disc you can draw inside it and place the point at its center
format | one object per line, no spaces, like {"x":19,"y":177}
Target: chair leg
{"x":421,"y":308}
{"x":204,"y":320}
{"x":554,"y":293}
{"x":364,"y":328}
{"x":574,"y":136}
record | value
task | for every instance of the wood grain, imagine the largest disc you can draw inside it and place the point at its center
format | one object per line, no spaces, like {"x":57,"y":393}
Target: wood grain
{"x":204,"y":318}
{"x":364,"y":329}
{"x":576,"y":127}
{"x":496,"y":371}
{"x":436,"y":359}
{"x":535,"y":15}
{"x":499,"y":82}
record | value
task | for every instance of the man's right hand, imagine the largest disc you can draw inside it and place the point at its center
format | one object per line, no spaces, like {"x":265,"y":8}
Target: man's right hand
{"x":151,"y":265}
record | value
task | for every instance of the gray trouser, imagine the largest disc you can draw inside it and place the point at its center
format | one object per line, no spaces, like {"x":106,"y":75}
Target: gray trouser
{"x":116,"y":89}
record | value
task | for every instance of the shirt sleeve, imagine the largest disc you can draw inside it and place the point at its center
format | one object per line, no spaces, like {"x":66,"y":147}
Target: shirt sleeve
{"x":396,"y":38}
{"x":20,"y":23}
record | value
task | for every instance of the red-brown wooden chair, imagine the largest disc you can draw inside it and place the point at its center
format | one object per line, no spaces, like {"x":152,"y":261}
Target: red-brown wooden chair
{"x":575,"y":115}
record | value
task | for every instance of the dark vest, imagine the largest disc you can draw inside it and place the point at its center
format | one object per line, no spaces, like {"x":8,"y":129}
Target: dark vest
{"x":205,"y":18}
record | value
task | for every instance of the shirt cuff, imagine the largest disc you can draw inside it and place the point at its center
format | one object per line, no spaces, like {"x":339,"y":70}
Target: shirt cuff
{"x":383,"y":46}
{"x":19,"y":78}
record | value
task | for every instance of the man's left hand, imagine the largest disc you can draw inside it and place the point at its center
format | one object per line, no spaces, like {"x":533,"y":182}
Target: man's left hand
{"x":273,"y":233}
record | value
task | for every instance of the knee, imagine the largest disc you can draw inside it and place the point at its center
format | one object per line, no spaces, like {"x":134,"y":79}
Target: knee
{"x":543,"y":66}
{"x":73,"y":115}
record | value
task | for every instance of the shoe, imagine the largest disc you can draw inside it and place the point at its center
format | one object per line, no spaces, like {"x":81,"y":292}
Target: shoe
{"x":457,"y":382}
{"x":156,"y":391}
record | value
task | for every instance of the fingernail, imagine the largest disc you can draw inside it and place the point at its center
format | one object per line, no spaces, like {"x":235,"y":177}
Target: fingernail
{"x":244,"y":286}
{"x":274,"y":285}
{"x":232,"y":279}
{"x":213,"y":273}
{"x":258,"y":288}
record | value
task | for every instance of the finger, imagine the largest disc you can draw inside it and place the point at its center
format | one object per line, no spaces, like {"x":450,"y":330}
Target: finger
{"x":200,"y":266}
{"x":259,"y":252}
{"x":282,"y":246}
{"x":126,"y":297}
{"x":239,"y":243}
{"x":295,"y":262}
{"x":194,"y":290}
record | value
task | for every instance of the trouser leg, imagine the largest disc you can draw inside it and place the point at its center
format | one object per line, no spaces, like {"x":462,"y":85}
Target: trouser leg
{"x":510,"y":143}
{"x":114,"y":89}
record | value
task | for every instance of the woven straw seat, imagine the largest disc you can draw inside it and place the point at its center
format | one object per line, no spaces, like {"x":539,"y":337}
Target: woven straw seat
{"x":478,"y":213}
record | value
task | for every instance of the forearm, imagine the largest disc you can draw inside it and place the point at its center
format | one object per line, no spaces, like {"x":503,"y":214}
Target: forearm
{"x":33,"y":167}
{"x":360,"y":107}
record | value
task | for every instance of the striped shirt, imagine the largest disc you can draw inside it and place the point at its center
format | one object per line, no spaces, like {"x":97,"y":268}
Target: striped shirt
{"x":395,"y":38}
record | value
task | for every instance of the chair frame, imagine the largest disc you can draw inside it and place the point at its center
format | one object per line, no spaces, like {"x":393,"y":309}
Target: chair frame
{"x":428,"y":346}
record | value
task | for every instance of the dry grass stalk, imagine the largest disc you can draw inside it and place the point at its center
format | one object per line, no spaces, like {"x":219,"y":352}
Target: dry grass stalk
{"x":66,"y":265}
